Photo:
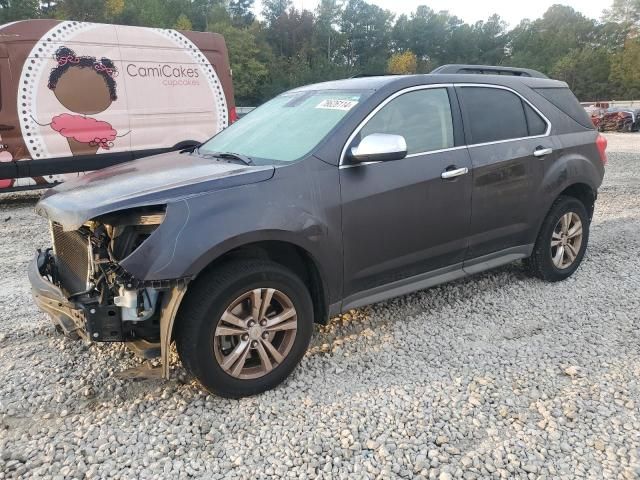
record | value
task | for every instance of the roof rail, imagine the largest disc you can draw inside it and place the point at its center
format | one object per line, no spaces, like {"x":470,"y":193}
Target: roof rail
{"x":365,"y":75}
{"x":488,"y":70}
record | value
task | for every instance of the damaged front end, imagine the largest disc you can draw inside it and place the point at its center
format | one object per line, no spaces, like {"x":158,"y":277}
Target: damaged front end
{"x":80,"y":283}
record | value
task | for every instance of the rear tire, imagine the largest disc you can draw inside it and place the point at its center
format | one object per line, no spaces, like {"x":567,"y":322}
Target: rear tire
{"x":221,"y":342}
{"x":562,"y":241}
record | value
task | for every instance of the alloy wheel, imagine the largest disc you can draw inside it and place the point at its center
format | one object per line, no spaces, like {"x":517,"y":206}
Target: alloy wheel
{"x":255,"y":333}
{"x":566,"y":240}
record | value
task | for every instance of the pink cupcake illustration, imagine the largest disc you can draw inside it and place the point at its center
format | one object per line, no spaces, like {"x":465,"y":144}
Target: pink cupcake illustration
{"x":85,"y":86}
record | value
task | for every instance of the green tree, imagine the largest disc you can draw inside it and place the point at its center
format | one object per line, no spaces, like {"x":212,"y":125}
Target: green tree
{"x":81,"y":10}
{"x":541,"y":43}
{"x":367,"y":36}
{"x":327,"y":36}
{"x":248,"y":62}
{"x":113,"y":9}
{"x":240,"y":11}
{"x":273,"y":9}
{"x":288,"y":47}
{"x":404,"y":63}
{"x":291,"y":33}
{"x":490,"y":40}
{"x":183,"y":23}
{"x":12,"y":10}
{"x":145,"y":13}
{"x":625,"y":71}
{"x":625,"y":12}
{"x":586,"y":71}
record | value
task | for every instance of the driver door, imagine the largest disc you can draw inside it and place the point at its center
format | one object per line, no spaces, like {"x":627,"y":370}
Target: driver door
{"x":402,"y":222}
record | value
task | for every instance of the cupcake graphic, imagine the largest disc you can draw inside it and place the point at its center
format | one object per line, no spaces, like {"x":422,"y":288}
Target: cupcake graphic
{"x":85,"y":86}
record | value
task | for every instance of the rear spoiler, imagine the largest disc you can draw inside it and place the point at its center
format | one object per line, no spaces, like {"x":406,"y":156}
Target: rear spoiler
{"x":488,"y":70}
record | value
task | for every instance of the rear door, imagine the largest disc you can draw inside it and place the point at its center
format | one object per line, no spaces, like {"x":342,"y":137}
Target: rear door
{"x":401,"y":218}
{"x":508,"y":140}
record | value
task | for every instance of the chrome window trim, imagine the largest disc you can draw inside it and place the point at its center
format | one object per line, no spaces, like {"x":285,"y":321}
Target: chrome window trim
{"x":417,"y":154}
{"x":376,"y":110}
{"x":430,"y":152}
{"x":442,"y":85}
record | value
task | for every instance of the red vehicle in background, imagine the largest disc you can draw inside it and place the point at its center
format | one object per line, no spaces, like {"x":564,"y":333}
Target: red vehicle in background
{"x":613,"y":119}
{"x":619,"y":120}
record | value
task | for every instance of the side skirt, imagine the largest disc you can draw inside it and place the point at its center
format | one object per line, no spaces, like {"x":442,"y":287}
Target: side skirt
{"x":404,"y":286}
{"x":497,"y":259}
{"x":436,"y":277}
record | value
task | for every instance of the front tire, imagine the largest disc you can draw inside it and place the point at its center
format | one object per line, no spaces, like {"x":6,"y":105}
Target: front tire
{"x":244,"y":327}
{"x":562,"y":241}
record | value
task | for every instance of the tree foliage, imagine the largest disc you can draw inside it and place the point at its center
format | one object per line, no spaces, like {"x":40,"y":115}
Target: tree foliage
{"x":625,"y":71}
{"x":183,"y":23}
{"x":403,"y":63}
{"x":286,"y":47}
{"x":626,"y":12}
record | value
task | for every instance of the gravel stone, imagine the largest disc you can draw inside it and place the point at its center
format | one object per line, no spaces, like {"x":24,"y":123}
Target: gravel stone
{"x":493,"y":376}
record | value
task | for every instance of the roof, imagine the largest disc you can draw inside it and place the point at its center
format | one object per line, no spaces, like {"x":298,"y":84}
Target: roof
{"x":383,"y":81}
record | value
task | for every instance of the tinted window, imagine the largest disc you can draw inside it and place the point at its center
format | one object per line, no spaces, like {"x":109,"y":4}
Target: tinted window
{"x":494,"y":114}
{"x":537,"y":126}
{"x":566,"y":101}
{"x":422,"y":117}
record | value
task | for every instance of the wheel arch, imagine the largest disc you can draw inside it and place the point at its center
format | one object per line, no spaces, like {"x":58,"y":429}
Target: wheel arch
{"x":583,"y":192}
{"x":580,"y":190}
{"x":288,"y":254}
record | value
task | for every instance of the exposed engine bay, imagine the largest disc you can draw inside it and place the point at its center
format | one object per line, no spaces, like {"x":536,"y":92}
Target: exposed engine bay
{"x":84,"y":264}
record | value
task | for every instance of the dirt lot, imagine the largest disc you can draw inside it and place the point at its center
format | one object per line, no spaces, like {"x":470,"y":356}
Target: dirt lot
{"x":497,"y":376}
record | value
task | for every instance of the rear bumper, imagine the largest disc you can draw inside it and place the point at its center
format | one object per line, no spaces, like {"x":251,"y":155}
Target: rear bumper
{"x":68,"y":316}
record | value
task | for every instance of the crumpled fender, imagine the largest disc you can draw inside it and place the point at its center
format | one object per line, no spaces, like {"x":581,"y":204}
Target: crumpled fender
{"x":304,"y":212}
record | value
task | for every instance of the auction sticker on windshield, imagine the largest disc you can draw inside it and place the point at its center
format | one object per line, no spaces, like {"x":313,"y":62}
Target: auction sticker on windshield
{"x":337,"y":104}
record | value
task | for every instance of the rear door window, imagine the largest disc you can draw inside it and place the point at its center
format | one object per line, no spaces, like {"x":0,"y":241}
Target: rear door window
{"x":493,"y":114}
{"x":422,"y":117}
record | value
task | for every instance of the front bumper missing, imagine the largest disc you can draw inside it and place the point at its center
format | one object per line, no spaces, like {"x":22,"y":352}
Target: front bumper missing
{"x":98,"y":323}
{"x":94,"y":322}
{"x":67,"y":316}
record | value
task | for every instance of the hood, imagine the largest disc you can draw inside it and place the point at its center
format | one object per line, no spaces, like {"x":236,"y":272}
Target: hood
{"x":147,"y":181}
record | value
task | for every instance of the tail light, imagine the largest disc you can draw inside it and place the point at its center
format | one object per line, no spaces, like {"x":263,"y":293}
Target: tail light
{"x":233,"y":115}
{"x":601,"y":143}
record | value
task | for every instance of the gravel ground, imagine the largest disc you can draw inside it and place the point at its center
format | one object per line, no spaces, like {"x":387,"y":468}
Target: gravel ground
{"x":496,"y":376}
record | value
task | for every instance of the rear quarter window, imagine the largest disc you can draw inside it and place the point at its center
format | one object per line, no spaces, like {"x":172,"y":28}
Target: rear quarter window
{"x":537,"y":126}
{"x":565,"y":100}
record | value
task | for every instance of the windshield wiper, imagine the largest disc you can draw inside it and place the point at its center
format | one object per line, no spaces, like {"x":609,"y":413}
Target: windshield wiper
{"x":229,"y":156}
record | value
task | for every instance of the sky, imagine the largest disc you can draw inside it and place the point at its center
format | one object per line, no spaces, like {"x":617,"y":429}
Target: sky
{"x":512,"y":11}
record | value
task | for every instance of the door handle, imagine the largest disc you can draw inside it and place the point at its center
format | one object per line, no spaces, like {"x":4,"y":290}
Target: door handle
{"x":541,"y":152}
{"x":447,"y":174}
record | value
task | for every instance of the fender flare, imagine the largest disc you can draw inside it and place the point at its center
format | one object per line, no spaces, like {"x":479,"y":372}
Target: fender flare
{"x":564,"y":173}
{"x":172,"y":299}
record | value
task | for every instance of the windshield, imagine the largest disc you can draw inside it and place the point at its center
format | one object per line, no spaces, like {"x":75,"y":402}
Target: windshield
{"x":287,"y":127}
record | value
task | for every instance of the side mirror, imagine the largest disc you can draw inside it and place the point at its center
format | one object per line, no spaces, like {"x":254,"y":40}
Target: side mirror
{"x":379,"y":147}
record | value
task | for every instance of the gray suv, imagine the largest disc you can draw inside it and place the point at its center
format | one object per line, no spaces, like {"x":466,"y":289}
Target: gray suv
{"x":326,"y":198}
